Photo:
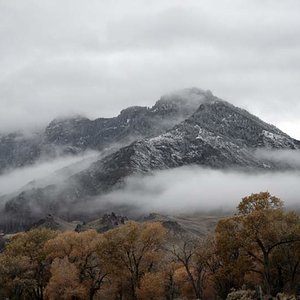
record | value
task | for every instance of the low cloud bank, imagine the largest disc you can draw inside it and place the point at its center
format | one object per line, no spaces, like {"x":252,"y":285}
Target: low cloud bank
{"x":45,"y":172}
{"x":286,"y":157}
{"x":181,"y":190}
{"x":190,"y":189}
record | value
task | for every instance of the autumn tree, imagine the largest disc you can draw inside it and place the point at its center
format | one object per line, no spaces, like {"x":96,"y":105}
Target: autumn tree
{"x":251,"y":238}
{"x":194,"y":257}
{"x":65,"y":281}
{"x":84,"y":253}
{"x":171,"y":284}
{"x":151,"y":286}
{"x":286,"y":263}
{"x":259,"y":202}
{"x":134,"y":250}
{"x":23,"y":268}
{"x":233,"y":265}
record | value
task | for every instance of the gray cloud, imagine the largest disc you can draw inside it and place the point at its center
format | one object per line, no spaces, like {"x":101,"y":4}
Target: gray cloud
{"x":180,"y":190}
{"x":191,"y":189}
{"x":45,"y":172}
{"x":288,"y":157}
{"x":96,"y":58}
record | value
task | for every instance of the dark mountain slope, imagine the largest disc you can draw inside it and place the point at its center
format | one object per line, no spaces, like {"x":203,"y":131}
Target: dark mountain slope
{"x":217,"y":135}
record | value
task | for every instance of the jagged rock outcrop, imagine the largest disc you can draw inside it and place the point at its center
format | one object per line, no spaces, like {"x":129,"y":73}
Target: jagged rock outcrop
{"x":105,"y":223}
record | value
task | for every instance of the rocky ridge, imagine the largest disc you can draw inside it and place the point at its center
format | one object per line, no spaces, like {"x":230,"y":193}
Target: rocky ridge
{"x":77,"y":134}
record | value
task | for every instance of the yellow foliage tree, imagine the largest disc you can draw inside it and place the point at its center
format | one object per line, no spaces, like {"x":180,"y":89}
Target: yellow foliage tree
{"x":65,"y":283}
{"x":151,"y":287}
{"x":84,"y":251}
{"x":23,"y":267}
{"x":251,"y":239}
{"x":133,"y":250}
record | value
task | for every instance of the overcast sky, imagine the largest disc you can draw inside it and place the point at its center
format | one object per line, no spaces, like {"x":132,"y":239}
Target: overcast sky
{"x":97,"y":57}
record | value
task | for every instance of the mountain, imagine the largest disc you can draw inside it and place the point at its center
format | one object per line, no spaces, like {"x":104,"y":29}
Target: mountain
{"x":77,"y":134}
{"x":191,"y":127}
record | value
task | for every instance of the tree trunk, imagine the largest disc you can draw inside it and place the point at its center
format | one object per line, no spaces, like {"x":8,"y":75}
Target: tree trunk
{"x":191,"y":278}
{"x":267,"y":274}
{"x":92,"y":294}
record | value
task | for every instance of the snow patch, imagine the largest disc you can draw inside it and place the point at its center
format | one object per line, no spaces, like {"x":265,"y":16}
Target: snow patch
{"x":272,"y":136}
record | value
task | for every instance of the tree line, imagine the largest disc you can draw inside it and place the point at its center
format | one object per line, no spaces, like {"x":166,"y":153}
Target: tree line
{"x":257,"y":249}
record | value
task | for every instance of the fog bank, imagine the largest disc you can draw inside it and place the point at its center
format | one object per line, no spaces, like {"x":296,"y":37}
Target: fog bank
{"x":45,"y":172}
{"x":190,"y":189}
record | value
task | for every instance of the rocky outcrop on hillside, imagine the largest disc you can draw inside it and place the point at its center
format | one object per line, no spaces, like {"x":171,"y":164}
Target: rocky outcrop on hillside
{"x":105,"y":223}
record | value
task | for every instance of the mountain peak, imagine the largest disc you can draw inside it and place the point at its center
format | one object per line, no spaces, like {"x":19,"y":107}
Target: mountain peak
{"x":61,"y":121}
{"x":188,"y":95}
{"x":184,"y":101}
{"x":132,"y":111}
{"x":187,"y":92}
